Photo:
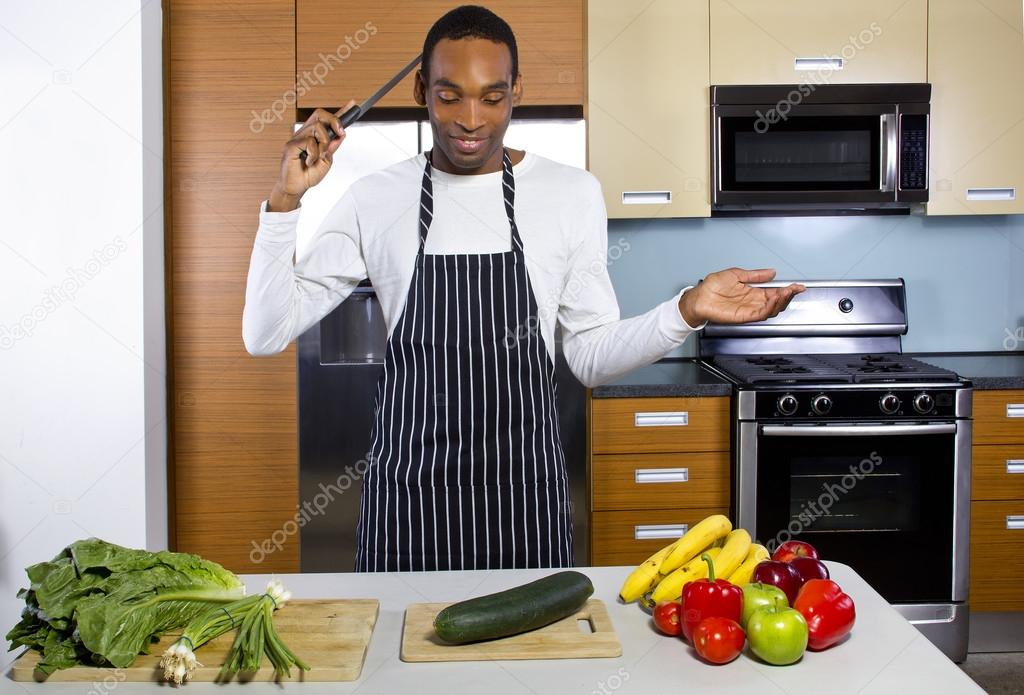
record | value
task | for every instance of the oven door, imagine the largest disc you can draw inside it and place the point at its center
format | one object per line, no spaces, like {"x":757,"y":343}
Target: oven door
{"x":814,"y":154}
{"x":888,"y":500}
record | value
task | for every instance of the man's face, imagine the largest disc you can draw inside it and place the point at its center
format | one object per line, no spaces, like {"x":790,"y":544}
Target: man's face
{"x":469,"y":100}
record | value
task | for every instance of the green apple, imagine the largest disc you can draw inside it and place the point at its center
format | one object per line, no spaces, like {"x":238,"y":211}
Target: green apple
{"x":777,"y":633}
{"x":758,"y":595}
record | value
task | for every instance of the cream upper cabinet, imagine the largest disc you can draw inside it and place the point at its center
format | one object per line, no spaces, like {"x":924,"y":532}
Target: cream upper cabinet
{"x":975,"y":65}
{"x":648,"y":120}
{"x":819,"y":41}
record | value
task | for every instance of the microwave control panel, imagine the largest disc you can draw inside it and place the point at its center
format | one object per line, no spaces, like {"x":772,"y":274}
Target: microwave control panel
{"x":913,"y":151}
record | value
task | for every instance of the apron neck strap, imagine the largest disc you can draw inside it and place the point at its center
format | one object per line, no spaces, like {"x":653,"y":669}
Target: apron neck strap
{"x":508,"y":189}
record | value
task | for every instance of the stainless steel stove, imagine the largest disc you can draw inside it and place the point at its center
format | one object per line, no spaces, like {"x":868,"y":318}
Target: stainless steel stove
{"x":841,"y":440}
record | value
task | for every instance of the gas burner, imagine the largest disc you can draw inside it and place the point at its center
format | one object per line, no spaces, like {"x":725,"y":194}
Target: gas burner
{"x":768,"y":361}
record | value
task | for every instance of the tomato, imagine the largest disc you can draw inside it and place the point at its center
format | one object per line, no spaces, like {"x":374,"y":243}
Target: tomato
{"x":668,"y":618}
{"x":718,"y":640}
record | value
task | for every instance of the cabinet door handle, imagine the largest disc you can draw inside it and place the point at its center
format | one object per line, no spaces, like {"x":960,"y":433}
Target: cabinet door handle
{"x":1015,"y":522}
{"x":991,"y":194}
{"x":661,"y":475}
{"x":646,"y":532}
{"x":678,"y":419}
{"x":1015,"y":410}
{"x":1015,"y":465}
{"x":822,"y":63}
{"x":646,"y":197}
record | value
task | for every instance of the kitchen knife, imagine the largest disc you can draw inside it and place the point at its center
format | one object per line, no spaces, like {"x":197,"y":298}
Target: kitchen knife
{"x":357,"y":111}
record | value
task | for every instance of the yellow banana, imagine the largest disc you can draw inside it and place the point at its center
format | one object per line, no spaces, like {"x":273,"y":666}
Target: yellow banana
{"x":645,"y":576}
{"x":744,"y":574}
{"x":671,"y":587}
{"x":699,"y":537}
{"x":734,"y":552}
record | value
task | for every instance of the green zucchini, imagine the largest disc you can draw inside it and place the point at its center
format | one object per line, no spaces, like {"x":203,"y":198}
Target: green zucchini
{"x":514,"y":610}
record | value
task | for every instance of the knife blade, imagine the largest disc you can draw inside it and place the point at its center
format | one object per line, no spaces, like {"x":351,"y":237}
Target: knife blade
{"x":357,"y":111}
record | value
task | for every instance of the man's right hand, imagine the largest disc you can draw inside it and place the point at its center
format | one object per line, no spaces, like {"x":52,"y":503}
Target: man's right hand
{"x":297,"y":176}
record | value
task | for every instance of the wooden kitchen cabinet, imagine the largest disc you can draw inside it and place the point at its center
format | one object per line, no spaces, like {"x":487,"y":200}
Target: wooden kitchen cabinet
{"x":766,"y":41}
{"x":997,"y":502}
{"x":648,"y":118}
{"x":975,"y":59}
{"x":657,"y":466}
{"x":347,"y":49}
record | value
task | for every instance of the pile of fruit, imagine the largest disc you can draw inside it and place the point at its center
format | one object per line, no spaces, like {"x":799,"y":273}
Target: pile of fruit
{"x":719,"y":590}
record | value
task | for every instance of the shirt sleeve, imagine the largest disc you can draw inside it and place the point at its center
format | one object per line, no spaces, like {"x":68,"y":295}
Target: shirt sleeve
{"x":284,"y":298}
{"x":599,"y":346}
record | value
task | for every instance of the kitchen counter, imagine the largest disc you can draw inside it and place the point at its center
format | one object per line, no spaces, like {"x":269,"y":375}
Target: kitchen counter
{"x":986,"y":370}
{"x":672,"y":377}
{"x":884,"y":654}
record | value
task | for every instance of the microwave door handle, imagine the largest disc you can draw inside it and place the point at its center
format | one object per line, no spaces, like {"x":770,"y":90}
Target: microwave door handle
{"x":855,"y":430}
{"x":887,"y":154}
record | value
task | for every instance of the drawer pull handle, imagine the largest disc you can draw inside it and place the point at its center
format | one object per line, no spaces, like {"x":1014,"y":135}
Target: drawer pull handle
{"x":1015,"y":410}
{"x":1015,"y":522}
{"x":1015,"y":465}
{"x":680,"y":419}
{"x":662,"y":475}
{"x":647,"y":532}
{"x":991,"y":194}
{"x":646,"y":197}
{"x":818,"y":64}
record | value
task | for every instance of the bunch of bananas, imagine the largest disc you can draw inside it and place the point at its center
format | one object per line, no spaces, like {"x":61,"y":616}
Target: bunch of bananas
{"x":662,"y":576}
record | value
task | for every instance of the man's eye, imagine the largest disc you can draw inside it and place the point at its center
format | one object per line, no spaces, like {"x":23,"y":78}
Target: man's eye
{"x":493,"y":100}
{"x":447,"y":99}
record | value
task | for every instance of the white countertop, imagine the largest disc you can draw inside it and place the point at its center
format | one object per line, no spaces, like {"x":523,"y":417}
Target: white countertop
{"x":884,"y":654}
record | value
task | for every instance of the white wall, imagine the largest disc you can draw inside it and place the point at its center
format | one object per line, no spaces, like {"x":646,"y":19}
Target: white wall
{"x":82,"y":362}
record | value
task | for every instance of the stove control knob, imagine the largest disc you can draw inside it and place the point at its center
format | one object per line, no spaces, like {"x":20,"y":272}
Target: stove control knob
{"x":923,"y":403}
{"x":889,"y":403}
{"x":821,"y":405}
{"x":787,"y":404}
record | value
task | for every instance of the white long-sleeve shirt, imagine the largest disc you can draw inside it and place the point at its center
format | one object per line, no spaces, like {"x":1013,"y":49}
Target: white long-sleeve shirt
{"x":372,"y":231}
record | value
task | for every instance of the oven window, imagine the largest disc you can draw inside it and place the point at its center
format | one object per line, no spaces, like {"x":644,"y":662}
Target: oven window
{"x":877,"y":504}
{"x":820,"y":153}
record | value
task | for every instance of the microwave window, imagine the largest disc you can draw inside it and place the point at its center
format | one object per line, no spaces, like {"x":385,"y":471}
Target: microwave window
{"x":802,"y":153}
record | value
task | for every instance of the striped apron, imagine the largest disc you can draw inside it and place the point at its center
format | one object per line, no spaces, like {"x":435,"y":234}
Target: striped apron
{"x":466,"y":464}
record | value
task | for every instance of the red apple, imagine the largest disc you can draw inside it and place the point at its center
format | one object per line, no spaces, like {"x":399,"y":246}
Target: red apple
{"x":808,"y":568}
{"x":780,"y":574}
{"x":791,"y":549}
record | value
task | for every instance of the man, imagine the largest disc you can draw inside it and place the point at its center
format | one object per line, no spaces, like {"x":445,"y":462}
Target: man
{"x":471,"y":248}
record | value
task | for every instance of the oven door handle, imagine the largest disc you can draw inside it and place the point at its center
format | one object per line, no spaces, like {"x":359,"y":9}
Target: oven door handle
{"x":855,"y":430}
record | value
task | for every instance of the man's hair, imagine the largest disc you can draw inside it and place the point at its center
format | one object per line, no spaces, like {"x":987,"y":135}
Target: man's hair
{"x":470,"y":22}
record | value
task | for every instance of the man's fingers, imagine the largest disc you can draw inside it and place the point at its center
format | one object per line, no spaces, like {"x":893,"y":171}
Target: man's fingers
{"x":755,"y":275}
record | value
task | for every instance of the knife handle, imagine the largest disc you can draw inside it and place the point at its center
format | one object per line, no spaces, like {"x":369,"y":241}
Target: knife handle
{"x":347,"y":119}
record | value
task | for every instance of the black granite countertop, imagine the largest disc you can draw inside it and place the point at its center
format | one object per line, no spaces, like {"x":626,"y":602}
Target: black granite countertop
{"x":671,"y":377}
{"x":684,"y":376}
{"x":986,"y":370}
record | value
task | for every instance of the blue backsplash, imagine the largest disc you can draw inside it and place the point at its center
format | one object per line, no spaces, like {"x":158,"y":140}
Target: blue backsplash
{"x":964,"y":275}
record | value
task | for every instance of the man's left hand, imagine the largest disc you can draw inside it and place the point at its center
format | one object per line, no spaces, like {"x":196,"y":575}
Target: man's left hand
{"x":727,"y":297}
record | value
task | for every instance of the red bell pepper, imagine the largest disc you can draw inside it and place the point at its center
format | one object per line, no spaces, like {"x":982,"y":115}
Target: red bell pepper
{"x":710,"y":598}
{"x":829,"y":612}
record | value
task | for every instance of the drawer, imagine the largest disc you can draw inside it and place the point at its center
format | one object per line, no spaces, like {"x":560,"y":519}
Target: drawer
{"x":997,"y":556}
{"x":660,"y":481}
{"x":997,"y":472}
{"x":614,"y":535}
{"x":659,"y":425}
{"x":999,"y":417}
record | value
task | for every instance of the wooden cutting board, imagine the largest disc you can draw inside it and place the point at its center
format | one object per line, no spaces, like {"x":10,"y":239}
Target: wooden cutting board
{"x":329,"y":635}
{"x":559,"y":640}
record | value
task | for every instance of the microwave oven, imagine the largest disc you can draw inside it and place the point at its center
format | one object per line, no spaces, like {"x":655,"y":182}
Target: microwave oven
{"x":856,"y":148}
